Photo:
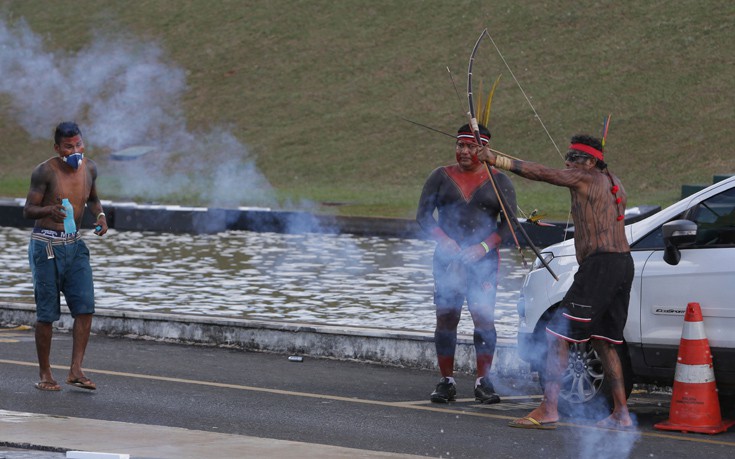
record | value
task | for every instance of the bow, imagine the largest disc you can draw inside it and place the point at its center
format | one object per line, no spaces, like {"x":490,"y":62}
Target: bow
{"x":509,"y":213}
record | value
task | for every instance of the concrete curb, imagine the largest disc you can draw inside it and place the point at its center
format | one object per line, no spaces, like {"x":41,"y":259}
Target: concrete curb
{"x":203,"y":220}
{"x":410,"y":349}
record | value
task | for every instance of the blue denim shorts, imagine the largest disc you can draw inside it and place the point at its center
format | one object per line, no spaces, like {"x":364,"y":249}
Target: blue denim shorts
{"x":60,"y":266}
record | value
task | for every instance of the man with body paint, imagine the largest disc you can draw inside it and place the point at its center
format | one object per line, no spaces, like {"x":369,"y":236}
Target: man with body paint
{"x":465,"y":264}
{"x":59,"y":259}
{"x":596,"y":305}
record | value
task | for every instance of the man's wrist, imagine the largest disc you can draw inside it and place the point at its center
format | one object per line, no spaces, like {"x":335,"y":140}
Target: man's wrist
{"x":101,"y":214}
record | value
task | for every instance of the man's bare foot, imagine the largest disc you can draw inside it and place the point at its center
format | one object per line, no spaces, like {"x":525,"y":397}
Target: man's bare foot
{"x":540,"y":415}
{"x":616,"y":422}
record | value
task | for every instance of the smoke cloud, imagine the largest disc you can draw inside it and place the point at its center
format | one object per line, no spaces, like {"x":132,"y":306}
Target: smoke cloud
{"x":124,"y":93}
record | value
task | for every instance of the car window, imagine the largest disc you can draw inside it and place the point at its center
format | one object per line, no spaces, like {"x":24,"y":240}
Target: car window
{"x":652,"y":241}
{"x":655,"y":239}
{"x":715,"y":219}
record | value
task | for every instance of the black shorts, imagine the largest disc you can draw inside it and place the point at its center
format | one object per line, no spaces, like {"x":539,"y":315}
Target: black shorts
{"x":596,"y":305}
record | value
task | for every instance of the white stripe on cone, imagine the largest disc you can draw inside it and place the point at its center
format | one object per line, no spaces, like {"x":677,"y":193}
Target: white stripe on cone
{"x":694,"y":374}
{"x":693,"y":331}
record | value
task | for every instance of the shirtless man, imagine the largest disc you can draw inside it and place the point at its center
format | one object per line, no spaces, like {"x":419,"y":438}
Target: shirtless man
{"x":596,"y":305}
{"x":469,"y":231}
{"x":60,"y":260}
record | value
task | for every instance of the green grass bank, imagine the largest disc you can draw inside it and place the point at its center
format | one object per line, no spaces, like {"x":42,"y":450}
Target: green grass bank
{"x":317,"y":89}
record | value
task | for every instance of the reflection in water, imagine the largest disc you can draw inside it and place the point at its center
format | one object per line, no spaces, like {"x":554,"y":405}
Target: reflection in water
{"x":320,"y":278}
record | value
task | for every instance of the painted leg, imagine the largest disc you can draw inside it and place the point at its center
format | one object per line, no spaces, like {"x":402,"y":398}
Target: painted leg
{"x":620,"y":416}
{"x":485,"y":340}
{"x":445,"y":339}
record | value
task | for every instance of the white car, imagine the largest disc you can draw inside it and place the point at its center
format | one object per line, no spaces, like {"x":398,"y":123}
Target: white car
{"x":684,"y":253}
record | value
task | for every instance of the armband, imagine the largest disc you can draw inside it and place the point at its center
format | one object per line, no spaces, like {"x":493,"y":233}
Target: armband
{"x":503,"y":162}
{"x":485,"y":246}
{"x":101,"y":214}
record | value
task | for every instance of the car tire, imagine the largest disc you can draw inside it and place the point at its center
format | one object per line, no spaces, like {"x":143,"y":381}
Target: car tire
{"x":585,"y":392}
{"x":727,"y":402}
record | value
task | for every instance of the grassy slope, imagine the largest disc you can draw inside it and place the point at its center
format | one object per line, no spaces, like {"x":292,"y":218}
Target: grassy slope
{"x":316,"y":88}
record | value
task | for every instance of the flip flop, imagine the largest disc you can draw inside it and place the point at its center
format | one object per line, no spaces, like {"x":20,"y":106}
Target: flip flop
{"x":82,"y":383}
{"x":47,"y":386}
{"x":532,"y":424}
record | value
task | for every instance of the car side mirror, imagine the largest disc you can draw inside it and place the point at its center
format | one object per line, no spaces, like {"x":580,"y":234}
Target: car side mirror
{"x":677,"y":233}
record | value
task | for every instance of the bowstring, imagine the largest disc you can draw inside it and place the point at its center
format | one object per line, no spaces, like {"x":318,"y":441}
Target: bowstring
{"x":535,"y":113}
{"x":556,"y":147}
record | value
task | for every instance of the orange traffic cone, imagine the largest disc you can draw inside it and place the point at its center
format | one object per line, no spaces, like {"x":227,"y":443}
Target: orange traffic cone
{"x":694,"y":404}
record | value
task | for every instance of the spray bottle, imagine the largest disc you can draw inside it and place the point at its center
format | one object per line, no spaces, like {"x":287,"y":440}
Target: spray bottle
{"x":69,"y":225}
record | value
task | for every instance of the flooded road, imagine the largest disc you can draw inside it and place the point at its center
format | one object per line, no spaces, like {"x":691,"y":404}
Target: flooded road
{"x":319,"y":278}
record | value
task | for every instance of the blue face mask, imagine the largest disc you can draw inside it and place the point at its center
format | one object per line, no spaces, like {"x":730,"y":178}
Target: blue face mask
{"x":74,"y":160}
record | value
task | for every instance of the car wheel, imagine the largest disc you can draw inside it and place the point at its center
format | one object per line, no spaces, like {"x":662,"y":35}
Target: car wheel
{"x":727,"y":402}
{"x":585,"y":392}
{"x":584,"y":389}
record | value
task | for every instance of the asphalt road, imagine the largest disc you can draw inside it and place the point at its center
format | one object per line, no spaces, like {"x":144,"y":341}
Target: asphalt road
{"x":318,"y":401}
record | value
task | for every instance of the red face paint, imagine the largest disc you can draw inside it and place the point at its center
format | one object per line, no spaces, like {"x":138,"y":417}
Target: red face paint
{"x":465,"y":148}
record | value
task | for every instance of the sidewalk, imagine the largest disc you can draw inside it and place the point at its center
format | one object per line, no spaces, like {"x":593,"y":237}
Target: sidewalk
{"x":63,"y":434}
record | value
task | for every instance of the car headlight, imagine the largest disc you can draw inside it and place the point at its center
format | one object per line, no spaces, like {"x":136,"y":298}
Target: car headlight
{"x":547,"y":256}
